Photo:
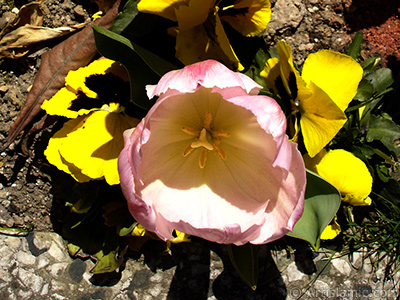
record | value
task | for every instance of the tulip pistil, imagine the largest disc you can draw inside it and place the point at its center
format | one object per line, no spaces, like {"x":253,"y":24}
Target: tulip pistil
{"x":207,"y":138}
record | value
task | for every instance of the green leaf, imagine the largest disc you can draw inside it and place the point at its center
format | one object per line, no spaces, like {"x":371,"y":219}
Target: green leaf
{"x":245,"y":261}
{"x":370,"y":64}
{"x":143,"y":66}
{"x":258,"y":65}
{"x":125,"y":17}
{"x":105,"y":262}
{"x":386,"y":131}
{"x":354,"y":48}
{"x":380,"y":80}
{"x":322,"y":201}
{"x":364,"y":91}
{"x":108,"y":259}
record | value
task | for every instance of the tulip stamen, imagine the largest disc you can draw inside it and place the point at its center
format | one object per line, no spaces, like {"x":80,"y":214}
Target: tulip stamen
{"x":207,"y":138}
{"x":190,"y":131}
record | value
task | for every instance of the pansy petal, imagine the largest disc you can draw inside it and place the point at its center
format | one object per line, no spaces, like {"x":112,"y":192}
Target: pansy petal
{"x":249,"y":17}
{"x":100,"y":141}
{"x":163,"y":8}
{"x":193,"y":14}
{"x":57,"y":141}
{"x":60,"y":103}
{"x":191,"y":77}
{"x":271,"y":73}
{"x":331,"y":231}
{"x":206,"y":41}
{"x":320,"y":120}
{"x":338,"y":75}
{"x":292,"y":81}
{"x":346,"y":172}
{"x":75,"y":80}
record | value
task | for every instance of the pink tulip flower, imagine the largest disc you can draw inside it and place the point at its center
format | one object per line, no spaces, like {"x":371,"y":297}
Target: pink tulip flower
{"x":211,"y":159}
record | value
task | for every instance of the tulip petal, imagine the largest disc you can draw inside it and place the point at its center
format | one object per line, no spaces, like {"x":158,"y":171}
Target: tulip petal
{"x":338,"y":75}
{"x":203,"y":74}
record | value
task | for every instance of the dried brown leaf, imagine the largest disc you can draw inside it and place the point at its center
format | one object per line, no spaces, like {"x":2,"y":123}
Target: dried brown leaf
{"x":30,"y":13}
{"x":71,"y":54}
{"x":105,"y":5}
{"x":18,"y":42}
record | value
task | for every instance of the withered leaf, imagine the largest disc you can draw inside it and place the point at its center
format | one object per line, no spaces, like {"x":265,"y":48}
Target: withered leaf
{"x":71,"y":54}
{"x":18,"y":42}
{"x":30,"y":13}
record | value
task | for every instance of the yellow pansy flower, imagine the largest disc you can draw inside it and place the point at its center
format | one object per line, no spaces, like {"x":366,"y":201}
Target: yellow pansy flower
{"x":200,"y":33}
{"x":87,"y":146}
{"x":327,"y":84}
{"x":346,"y":172}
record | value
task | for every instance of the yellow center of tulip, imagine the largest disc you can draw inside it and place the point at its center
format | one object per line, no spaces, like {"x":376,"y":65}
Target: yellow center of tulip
{"x":208,"y":139}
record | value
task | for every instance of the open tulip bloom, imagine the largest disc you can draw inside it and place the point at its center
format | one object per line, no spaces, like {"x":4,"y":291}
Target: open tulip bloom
{"x":212,"y":159}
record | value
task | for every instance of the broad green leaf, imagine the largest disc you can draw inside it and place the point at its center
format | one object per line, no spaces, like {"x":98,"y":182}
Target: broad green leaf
{"x":143,"y":66}
{"x":354,"y":48}
{"x":258,"y":65}
{"x":386,"y":131}
{"x":125,"y":17}
{"x":380,"y":80}
{"x":364,"y":91}
{"x":322,"y":201}
{"x":245,"y":260}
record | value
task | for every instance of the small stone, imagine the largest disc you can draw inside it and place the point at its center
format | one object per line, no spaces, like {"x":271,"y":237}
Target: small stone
{"x":45,"y":290}
{"x":30,"y":280}
{"x":156,"y":278}
{"x":342,"y":266}
{"x":3,"y":89}
{"x":293,"y":272}
{"x":155,"y":291}
{"x":5,"y":218}
{"x":25,"y":258}
{"x":42,"y":262}
{"x":57,"y":270}
{"x":78,"y":10}
{"x":140,"y":279}
{"x":76,"y":270}
{"x":57,"y":253}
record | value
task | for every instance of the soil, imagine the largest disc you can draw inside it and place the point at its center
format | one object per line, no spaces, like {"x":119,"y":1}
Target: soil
{"x":26,"y":194}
